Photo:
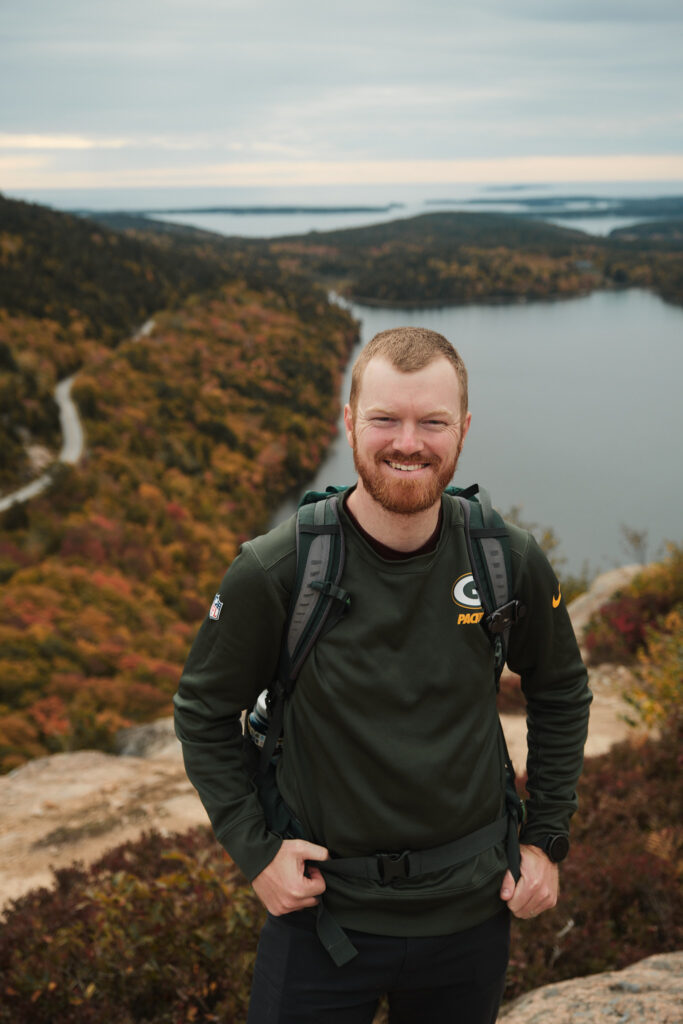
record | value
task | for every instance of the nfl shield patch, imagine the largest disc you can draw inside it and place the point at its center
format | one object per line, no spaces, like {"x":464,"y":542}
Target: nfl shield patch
{"x":215,"y":610}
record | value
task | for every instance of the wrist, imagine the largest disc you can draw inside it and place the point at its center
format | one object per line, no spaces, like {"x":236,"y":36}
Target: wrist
{"x":555,"y":845}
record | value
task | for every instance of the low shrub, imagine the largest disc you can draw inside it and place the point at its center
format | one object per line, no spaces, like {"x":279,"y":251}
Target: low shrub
{"x":619,"y":629}
{"x":621,"y":896}
{"x":164,"y":931}
{"x":657,"y":696}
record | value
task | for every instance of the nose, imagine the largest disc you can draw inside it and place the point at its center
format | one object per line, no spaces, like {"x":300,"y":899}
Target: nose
{"x":408,"y":438}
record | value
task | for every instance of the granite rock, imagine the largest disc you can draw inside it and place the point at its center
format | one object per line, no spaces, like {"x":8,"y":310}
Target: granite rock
{"x":647,"y":992}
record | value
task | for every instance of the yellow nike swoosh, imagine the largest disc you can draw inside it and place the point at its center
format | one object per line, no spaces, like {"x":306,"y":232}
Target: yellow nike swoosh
{"x":556,"y":600}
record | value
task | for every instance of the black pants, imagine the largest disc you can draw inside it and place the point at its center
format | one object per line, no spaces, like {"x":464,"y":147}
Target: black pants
{"x":446,"y":979}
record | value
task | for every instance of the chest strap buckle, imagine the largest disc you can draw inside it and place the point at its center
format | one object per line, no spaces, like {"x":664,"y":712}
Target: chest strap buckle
{"x":392,"y":865}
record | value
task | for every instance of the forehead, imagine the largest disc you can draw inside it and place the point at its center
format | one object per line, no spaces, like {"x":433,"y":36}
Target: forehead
{"x":435,"y":386}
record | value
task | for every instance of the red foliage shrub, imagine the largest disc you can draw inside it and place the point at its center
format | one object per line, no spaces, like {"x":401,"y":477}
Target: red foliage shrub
{"x":619,"y":629}
{"x":164,"y":931}
{"x":621,"y":896}
{"x":157,"y":931}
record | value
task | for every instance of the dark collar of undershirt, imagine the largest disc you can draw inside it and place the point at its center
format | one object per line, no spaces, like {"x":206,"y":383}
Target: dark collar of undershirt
{"x":391,"y":554}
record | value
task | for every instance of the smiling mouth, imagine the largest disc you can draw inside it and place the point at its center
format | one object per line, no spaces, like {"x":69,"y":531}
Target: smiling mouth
{"x":407,"y":467}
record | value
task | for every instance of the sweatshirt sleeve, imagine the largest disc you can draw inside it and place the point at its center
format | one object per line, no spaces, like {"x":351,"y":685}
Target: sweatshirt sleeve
{"x":232,"y":659}
{"x":544,"y":652}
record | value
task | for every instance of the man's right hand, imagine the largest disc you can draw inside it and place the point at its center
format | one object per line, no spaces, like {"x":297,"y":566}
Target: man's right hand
{"x":287,"y":883}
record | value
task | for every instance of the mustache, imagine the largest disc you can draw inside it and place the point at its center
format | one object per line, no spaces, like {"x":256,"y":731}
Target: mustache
{"x":407,"y":460}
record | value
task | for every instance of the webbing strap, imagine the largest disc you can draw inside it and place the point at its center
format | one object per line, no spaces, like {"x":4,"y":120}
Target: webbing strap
{"x":333,"y":937}
{"x":385,"y":867}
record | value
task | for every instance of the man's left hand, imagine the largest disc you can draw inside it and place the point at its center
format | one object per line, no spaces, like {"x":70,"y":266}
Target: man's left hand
{"x":538,"y":886}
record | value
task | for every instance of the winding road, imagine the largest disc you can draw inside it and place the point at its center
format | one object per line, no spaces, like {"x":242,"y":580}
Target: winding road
{"x":73,"y":444}
{"x":73,"y":435}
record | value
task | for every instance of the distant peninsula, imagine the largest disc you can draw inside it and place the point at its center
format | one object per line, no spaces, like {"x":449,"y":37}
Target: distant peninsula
{"x":580,"y":205}
{"x":258,"y":210}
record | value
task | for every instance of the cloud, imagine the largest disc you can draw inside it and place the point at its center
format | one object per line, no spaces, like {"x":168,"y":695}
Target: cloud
{"x":282,"y":173}
{"x":124,"y":88}
{"x":28,"y":141}
{"x":11,"y":165}
{"x":588,"y":11}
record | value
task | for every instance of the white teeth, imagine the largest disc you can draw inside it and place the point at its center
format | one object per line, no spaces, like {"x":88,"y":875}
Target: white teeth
{"x":409,"y":468}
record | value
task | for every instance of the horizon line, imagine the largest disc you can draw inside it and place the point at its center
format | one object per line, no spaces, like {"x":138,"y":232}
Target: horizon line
{"x":31,"y":174}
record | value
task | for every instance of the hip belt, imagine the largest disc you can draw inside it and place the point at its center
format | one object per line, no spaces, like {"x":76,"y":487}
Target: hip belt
{"x":389,"y":867}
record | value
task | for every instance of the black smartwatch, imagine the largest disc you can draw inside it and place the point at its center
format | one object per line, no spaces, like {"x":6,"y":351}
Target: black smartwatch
{"x":556,"y":847}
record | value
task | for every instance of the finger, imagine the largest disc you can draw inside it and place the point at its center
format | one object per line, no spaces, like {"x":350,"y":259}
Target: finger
{"x":310,"y":901}
{"x":520,"y":902}
{"x":291,"y":904}
{"x":315,"y":882}
{"x":531,"y":901}
{"x":508,"y":887}
{"x":311,"y":851}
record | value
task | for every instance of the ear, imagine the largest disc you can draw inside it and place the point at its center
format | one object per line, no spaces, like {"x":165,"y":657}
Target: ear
{"x":465,"y":427}
{"x":348,"y":424}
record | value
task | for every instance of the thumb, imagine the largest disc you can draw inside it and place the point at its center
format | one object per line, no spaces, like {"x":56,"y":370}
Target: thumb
{"x":508,"y":887}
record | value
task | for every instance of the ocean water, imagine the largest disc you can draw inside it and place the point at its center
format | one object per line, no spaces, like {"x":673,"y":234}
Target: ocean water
{"x":409,"y":201}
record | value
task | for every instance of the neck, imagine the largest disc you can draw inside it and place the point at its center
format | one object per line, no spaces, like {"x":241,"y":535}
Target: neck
{"x":398,"y":531}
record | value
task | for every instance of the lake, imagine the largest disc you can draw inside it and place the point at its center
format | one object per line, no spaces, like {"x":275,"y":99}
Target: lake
{"x":576,"y":415}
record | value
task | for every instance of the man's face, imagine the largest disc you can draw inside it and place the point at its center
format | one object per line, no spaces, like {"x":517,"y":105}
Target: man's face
{"x":407,"y":433}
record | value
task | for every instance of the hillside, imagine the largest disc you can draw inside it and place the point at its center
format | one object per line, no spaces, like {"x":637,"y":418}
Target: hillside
{"x":195,"y":432}
{"x":655,"y":234}
{"x":70,"y":289}
{"x":455,"y":258}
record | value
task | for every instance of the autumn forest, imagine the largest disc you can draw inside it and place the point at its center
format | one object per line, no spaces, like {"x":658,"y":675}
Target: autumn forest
{"x":196,"y":430}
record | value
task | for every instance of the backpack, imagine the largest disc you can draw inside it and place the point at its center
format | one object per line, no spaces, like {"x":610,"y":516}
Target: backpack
{"x":317,"y":603}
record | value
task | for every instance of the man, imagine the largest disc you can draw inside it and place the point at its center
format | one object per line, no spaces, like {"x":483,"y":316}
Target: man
{"x":391,"y":738}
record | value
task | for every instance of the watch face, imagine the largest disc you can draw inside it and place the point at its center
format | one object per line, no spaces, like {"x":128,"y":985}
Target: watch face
{"x":558,"y":848}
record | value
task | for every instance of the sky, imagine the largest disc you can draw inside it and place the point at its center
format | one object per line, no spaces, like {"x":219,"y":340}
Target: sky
{"x":157,"y":93}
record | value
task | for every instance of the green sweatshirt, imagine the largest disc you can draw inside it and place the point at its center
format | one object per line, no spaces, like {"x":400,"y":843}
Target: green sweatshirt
{"x":391,"y":735}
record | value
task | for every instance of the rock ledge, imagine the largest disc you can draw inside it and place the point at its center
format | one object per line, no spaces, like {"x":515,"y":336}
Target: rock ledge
{"x":648,"y":992}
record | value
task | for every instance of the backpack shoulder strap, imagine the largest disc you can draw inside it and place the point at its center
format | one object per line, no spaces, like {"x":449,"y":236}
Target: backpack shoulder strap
{"x":317,"y":600}
{"x":488,"y":546}
{"x":319,"y":567}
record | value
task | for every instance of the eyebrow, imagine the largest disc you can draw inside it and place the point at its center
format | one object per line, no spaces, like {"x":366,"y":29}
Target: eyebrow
{"x":382,"y":411}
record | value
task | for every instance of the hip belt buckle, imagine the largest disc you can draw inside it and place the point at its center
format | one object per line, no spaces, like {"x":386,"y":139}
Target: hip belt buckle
{"x":392,"y":865}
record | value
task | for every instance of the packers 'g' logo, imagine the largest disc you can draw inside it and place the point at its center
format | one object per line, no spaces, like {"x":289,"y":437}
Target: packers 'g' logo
{"x":465,"y":593}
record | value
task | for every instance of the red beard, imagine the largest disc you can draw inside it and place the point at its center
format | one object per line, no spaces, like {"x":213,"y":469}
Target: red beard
{"x":405,"y":495}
